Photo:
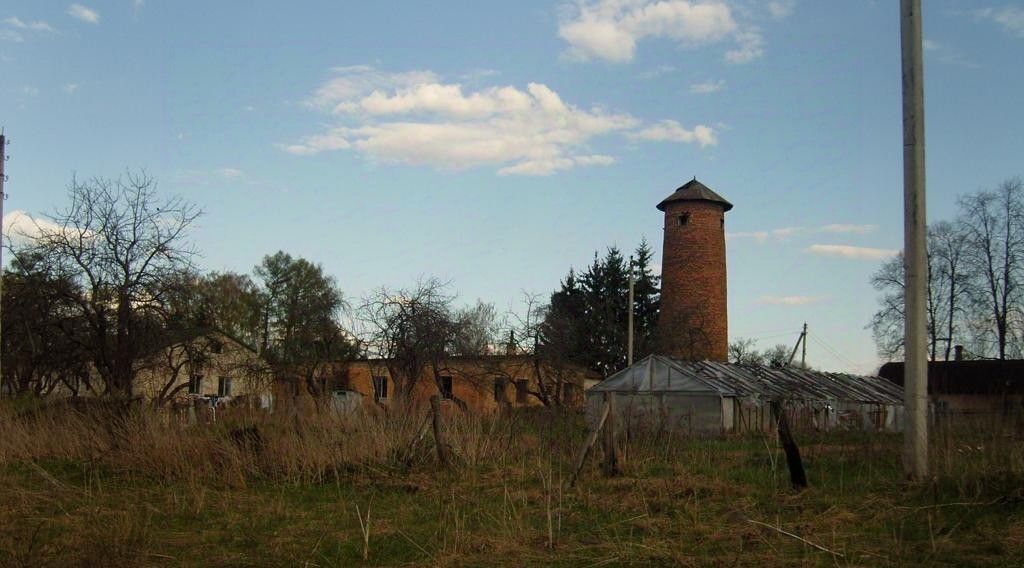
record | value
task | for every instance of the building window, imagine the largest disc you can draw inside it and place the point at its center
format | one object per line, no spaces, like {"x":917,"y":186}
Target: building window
{"x":499,"y":390}
{"x":224,"y":386}
{"x":521,"y":395}
{"x":446,"y":388}
{"x":380,"y":388}
{"x":568,"y":392}
{"x":195,"y":384}
{"x":684,"y":219}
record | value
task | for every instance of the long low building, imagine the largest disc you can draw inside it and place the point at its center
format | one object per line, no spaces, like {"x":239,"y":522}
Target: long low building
{"x":707,"y":397}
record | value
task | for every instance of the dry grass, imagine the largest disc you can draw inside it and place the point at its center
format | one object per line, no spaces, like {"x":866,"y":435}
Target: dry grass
{"x":94,"y":487}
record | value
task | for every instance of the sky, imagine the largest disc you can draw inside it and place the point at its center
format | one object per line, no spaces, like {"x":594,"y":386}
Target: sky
{"x":496,"y":145}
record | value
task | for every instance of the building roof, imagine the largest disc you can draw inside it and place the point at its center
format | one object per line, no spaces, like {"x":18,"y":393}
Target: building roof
{"x":656,"y":373}
{"x":694,"y":190}
{"x":992,"y":377}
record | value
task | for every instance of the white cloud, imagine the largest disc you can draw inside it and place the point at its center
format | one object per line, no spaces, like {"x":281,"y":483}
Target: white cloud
{"x":11,"y":35}
{"x":37,"y":26}
{"x":788,"y":300}
{"x":750,"y":47}
{"x":707,"y":87}
{"x":947,"y":55}
{"x":672,"y":131}
{"x":765,"y":236}
{"x":1011,"y":18}
{"x":70,"y":88}
{"x":137,"y":5}
{"x":355,"y":81}
{"x":415,"y":118}
{"x":20,"y":226}
{"x":852,"y":252}
{"x":230,"y":173}
{"x":658,"y":71}
{"x":30,"y":90}
{"x":780,"y":9}
{"x":80,"y":12}
{"x":610,"y":29}
{"x":848,"y":228}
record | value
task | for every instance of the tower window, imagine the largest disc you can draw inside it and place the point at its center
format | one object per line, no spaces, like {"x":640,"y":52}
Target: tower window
{"x":684,"y":219}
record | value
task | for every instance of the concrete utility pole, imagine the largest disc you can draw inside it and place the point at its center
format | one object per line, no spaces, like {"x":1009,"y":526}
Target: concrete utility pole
{"x":629,"y":326}
{"x":3,"y":158}
{"x":803,"y":348}
{"x":915,"y":383}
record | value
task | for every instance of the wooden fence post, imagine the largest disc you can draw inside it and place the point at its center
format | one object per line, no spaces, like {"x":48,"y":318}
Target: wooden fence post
{"x":796,"y":466}
{"x":442,"y":448}
{"x":612,"y":457}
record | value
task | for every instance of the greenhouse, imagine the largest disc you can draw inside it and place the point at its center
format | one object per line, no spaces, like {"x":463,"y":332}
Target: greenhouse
{"x":709,"y":398}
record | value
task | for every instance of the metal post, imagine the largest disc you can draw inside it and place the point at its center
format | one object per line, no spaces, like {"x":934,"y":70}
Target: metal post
{"x":915,"y":384}
{"x":629,"y":332}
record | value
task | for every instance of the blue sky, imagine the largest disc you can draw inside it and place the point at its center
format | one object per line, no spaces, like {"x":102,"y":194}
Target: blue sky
{"x":498,"y":144}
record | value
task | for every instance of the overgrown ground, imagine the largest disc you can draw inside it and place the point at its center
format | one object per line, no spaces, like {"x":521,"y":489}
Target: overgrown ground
{"x":82,"y":489}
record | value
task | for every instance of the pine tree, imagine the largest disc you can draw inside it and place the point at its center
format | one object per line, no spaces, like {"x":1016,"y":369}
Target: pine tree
{"x":646,"y":300}
{"x":587,"y":316}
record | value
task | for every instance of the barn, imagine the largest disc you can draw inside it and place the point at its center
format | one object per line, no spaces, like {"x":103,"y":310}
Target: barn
{"x":712,"y":398}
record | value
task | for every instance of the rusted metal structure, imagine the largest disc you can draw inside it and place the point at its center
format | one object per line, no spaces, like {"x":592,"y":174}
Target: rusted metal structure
{"x":706,"y":397}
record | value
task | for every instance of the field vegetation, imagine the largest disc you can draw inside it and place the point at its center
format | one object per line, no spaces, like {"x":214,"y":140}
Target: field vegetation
{"x":98,"y":485}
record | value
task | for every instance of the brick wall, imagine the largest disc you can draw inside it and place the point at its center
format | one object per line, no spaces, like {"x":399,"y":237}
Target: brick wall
{"x":693,"y":323}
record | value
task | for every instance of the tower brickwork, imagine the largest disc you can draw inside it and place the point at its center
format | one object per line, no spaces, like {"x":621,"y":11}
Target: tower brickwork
{"x":693,"y":321}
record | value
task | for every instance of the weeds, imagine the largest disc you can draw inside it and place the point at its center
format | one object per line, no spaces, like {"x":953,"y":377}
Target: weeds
{"x":84,"y":487}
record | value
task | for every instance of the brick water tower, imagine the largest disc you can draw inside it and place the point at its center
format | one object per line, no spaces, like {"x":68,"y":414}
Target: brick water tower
{"x":693,"y":323}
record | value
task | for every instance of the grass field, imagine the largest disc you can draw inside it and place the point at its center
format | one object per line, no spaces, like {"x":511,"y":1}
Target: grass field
{"x":82,"y":488}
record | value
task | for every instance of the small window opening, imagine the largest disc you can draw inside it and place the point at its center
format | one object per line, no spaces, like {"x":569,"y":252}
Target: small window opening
{"x":446,"y":388}
{"x":684,"y":219}
{"x":522,"y":396}
{"x":499,"y":390}
{"x":195,"y":385}
{"x":380,"y":387}
{"x":721,"y":222}
{"x":568,"y":392}
{"x":224,"y":386}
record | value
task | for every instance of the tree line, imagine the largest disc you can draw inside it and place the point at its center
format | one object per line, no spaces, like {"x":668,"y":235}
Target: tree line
{"x":107,"y":288}
{"x":975,"y":281}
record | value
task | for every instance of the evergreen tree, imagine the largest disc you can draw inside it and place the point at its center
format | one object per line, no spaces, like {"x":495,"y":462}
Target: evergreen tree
{"x":646,"y":300}
{"x":587,"y":316}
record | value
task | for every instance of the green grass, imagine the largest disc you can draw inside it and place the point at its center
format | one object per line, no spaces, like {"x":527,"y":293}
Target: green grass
{"x":679,"y":502}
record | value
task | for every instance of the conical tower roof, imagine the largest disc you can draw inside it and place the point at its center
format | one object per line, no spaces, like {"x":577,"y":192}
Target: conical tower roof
{"x":694,"y":191}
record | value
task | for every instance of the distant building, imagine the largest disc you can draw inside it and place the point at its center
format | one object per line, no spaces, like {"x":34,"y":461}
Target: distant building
{"x":478,"y":384}
{"x":970,"y":387}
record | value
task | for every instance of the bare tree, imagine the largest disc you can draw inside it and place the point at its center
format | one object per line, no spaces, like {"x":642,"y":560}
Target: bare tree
{"x":743,"y":351}
{"x":949,"y":283}
{"x":413,"y":331}
{"x":118,"y":243}
{"x":993,"y":223}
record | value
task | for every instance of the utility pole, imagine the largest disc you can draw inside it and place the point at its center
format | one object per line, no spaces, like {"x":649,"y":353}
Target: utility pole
{"x":915,"y":383}
{"x":629,"y":325}
{"x":803,"y":350}
{"x":802,"y":340}
{"x":3,"y":158}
